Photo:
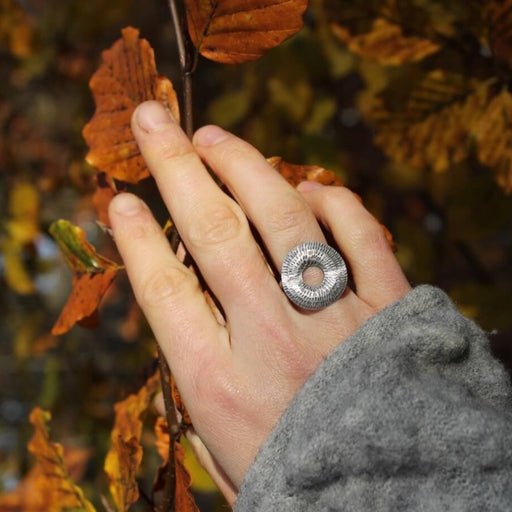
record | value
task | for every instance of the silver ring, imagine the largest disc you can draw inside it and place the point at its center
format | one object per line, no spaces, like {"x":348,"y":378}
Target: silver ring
{"x":330,"y":262}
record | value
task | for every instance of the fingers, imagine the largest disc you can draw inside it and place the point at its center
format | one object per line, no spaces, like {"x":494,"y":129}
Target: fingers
{"x":279,"y":213}
{"x":377,"y":275}
{"x":167,"y":291}
{"x":212,"y":226}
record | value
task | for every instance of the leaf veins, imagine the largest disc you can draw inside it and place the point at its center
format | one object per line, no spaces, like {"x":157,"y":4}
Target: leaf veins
{"x":236,"y":31}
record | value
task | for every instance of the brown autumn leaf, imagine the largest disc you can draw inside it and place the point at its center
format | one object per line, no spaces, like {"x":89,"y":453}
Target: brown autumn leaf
{"x":49,"y":485}
{"x":498,"y":14}
{"x":445,"y":118}
{"x":183,"y":498}
{"x":295,"y":174}
{"x":432,"y":127}
{"x":389,"y":31}
{"x":236,"y":31}
{"x":124,"y":457}
{"x":386,"y":43}
{"x":92,"y":275}
{"x":493,"y":135}
{"x":126,"y":77}
{"x":106,"y":189}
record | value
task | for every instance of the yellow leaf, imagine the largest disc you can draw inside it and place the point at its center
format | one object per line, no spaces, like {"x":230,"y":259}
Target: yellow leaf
{"x":125,"y":455}
{"x":16,"y":274}
{"x":22,"y":228}
{"x":386,"y":43}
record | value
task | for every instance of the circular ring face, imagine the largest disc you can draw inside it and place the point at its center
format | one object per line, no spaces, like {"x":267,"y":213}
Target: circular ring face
{"x":314,"y":254}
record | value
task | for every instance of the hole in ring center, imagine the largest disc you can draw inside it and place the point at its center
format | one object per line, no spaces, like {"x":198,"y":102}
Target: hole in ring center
{"x":313,"y":276}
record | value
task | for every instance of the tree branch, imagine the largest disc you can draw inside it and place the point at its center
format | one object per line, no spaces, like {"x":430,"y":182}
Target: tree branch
{"x":188,"y":62}
{"x":167,"y":503}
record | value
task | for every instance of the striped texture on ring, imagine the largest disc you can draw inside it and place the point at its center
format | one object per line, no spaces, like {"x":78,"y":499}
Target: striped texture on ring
{"x":314,"y":254}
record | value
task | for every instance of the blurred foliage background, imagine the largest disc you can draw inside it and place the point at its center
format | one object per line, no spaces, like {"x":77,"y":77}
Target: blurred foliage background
{"x":441,"y":190}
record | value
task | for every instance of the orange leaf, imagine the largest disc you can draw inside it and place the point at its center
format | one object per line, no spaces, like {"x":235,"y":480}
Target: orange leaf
{"x":125,"y":455}
{"x":294,"y":174}
{"x":126,"y":77}
{"x":31,"y":496}
{"x":236,"y":31}
{"x":162,"y":438}
{"x":50,"y":479}
{"x":92,"y":275}
{"x":183,"y":498}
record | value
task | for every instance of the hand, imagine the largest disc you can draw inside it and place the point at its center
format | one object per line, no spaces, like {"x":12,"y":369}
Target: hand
{"x":237,"y":377}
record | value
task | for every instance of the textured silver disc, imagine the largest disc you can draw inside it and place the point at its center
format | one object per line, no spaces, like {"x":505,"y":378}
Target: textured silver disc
{"x":328,"y":260}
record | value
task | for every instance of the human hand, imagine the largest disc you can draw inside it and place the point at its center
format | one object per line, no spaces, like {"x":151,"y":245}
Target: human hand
{"x":237,"y":377}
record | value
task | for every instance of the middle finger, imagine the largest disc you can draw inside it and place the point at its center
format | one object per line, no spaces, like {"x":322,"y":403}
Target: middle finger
{"x":280,"y":214}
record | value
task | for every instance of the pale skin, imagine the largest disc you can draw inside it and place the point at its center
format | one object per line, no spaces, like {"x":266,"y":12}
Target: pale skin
{"x":237,"y":375}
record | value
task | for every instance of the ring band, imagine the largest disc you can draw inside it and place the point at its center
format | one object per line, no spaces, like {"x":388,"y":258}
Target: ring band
{"x":330,"y":262}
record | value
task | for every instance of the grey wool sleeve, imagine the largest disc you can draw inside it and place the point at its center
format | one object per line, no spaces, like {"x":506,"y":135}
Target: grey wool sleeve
{"x":411,"y":413}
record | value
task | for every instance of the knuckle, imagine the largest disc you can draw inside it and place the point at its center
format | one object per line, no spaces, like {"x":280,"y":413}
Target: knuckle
{"x":371,"y":236}
{"x":171,"y":147}
{"x":335,"y":196}
{"x":178,"y":154}
{"x":216,"y":226}
{"x":290,"y":215}
{"x":142,"y":229}
{"x":231,"y":151}
{"x":163,"y":288}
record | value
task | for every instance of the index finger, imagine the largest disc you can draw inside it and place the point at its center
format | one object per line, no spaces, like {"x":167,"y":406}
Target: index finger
{"x":168,"y":293}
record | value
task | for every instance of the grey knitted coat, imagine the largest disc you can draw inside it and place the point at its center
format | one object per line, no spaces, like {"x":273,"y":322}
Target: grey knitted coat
{"x":411,"y":413}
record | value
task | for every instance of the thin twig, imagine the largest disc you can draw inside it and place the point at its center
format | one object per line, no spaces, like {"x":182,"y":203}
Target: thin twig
{"x":167,"y":503}
{"x":180,"y":39}
{"x":188,"y":62}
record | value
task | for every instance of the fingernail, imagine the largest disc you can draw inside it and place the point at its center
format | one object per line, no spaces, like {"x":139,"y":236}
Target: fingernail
{"x":151,"y":116}
{"x":308,"y":186}
{"x":209,"y":135}
{"x":126,"y":204}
